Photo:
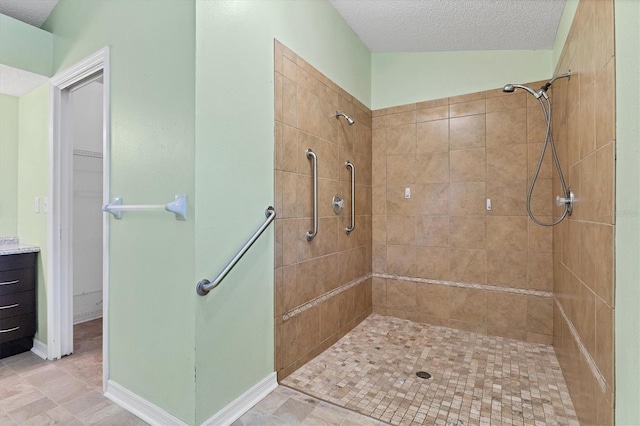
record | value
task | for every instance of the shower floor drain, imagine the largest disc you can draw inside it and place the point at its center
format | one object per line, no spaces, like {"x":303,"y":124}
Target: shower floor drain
{"x":423,"y":375}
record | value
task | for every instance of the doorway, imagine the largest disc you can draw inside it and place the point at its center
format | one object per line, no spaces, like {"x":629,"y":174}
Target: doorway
{"x":78,"y":231}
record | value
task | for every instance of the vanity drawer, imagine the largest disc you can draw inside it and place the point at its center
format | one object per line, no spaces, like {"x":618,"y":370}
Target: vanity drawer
{"x":17,"y":280}
{"x":17,"y":327}
{"x":17,"y":261}
{"x":15,"y":304}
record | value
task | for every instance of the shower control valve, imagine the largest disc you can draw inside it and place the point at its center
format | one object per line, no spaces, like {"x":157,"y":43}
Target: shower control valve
{"x":568,"y":201}
{"x":337,"y":203}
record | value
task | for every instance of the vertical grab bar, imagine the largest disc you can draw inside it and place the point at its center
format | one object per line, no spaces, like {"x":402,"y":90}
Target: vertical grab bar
{"x":350,"y":165}
{"x":312,"y":156}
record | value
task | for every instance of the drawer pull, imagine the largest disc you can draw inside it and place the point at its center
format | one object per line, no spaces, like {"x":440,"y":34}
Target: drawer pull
{"x":9,"y":330}
{"x":15,"y":305}
{"x":10,"y":282}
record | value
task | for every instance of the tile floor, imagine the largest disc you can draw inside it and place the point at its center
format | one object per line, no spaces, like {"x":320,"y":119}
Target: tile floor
{"x":286,"y":406}
{"x":66,"y":392}
{"x":476,"y":379}
{"x":69,"y":392}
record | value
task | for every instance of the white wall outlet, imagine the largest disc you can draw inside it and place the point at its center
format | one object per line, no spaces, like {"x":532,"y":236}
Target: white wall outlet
{"x":488,"y":204}
{"x":407,"y":193}
{"x":36,"y":205}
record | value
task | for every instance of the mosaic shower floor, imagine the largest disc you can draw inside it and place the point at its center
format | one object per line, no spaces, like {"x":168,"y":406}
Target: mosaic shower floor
{"x":476,"y":379}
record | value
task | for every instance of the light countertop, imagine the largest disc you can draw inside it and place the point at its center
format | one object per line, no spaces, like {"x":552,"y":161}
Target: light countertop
{"x":11,"y":245}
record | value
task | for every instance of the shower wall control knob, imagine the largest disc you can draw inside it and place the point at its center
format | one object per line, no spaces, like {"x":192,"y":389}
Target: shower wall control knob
{"x":337,"y":203}
{"x":568,"y":201}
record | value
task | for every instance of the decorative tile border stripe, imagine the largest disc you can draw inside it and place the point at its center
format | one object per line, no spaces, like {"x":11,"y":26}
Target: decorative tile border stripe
{"x":313,"y":302}
{"x":585,"y":353}
{"x":466,"y":285}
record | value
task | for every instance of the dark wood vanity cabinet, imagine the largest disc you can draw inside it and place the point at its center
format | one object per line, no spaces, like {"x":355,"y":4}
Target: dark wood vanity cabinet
{"x":17,"y":303}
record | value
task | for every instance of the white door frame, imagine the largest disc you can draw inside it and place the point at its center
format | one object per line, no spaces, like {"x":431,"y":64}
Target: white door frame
{"x":59,"y":241}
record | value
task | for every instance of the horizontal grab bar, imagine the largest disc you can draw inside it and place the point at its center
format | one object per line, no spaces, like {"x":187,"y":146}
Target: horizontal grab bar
{"x":205,"y":286}
{"x":177,"y":207}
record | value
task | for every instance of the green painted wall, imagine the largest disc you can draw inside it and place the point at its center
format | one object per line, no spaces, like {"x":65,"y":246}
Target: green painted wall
{"x":234,"y":172}
{"x":8,"y":165}
{"x":403,"y":78}
{"x":564,"y":26}
{"x":151,"y":295}
{"x":25,"y":47}
{"x":627,"y":314}
{"x":33,"y":181}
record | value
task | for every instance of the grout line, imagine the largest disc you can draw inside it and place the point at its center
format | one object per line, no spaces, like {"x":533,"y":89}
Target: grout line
{"x":466,"y":285}
{"x":313,"y":302}
{"x":585,"y":353}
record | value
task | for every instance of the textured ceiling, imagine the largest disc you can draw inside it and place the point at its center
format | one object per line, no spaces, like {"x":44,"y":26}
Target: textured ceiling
{"x":447,"y":25}
{"x":33,"y":12}
{"x":17,"y":82}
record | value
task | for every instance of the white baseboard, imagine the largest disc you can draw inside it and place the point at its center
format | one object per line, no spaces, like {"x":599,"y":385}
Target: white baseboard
{"x":39,"y":349}
{"x":139,"y":406}
{"x":244,"y":402}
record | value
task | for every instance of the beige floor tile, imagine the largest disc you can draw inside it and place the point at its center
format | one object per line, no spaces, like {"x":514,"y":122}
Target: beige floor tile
{"x":476,"y":379}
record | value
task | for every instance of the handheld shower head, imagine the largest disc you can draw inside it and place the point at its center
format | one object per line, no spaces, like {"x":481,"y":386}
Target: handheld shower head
{"x":510,"y":88}
{"x":349,"y":119}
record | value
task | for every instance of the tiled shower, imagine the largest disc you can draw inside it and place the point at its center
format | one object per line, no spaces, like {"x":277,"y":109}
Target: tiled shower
{"x":427,"y":246}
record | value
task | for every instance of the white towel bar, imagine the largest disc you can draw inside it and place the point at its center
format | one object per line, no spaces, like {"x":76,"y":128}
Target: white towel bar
{"x":177,"y":207}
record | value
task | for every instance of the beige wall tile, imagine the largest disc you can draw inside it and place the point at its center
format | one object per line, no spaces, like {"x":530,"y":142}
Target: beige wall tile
{"x":605,"y":185}
{"x":468,"y":165}
{"x":507,"y":268}
{"x":379,"y":289}
{"x":508,"y":198}
{"x":401,"y":169}
{"x":467,"y":305}
{"x":432,"y":103}
{"x":467,"y":108}
{"x":401,"y":295}
{"x":433,"y":136}
{"x":430,"y":199}
{"x":605,"y":105}
{"x":508,"y":102}
{"x":467,"y":232}
{"x":604,"y":350}
{"x":397,"y":205}
{"x":540,"y":237}
{"x":467,"y":198}
{"x":506,"y":311}
{"x":432,"y":263}
{"x":401,"y":260}
{"x":401,"y":140}
{"x":379,"y":141}
{"x":401,"y":230}
{"x":432,"y":167}
{"x":540,"y":315}
{"x":604,"y":267}
{"x":507,"y":233}
{"x":473,"y":327}
{"x":468,"y":97}
{"x":507,"y":332}
{"x":432,"y":300}
{"x":536,"y":124}
{"x":467,"y":132}
{"x":506,"y":127}
{"x":432,"y":231}
{"x":540,"y":271}
{"x":401,"y":118}
{"x":507,"y":163}
{"x":432,"y":113}
{"x":379,"y":258}
{"x":467,"y":265}
{"x":379,"y":200}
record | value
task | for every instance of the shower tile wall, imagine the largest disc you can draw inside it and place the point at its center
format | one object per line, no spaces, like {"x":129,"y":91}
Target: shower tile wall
{"x":493,"y":268}
{"x":323,"y":286}
{"x":583,"y":253}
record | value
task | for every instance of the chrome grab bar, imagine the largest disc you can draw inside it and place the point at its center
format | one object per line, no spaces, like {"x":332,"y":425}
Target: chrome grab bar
{"x":177,"y":207}
{"x":205,"y":286}
{"x":312,"y":156}
{"x":349,"y":229}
